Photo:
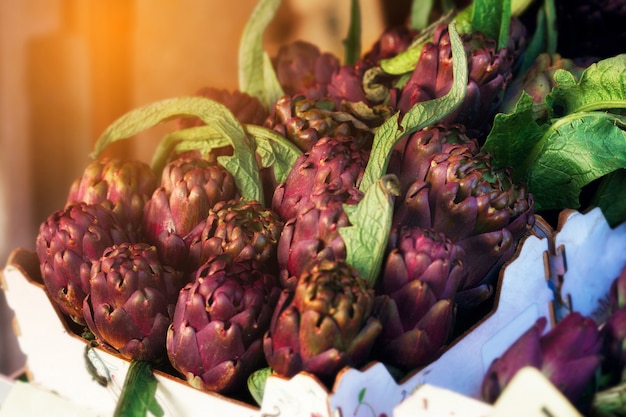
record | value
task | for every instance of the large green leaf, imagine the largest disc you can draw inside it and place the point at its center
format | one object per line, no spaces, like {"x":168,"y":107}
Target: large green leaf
{"x":253,"y":68}
{"x":370,"y":226}
{"x":601,"y":86}
{"x":242,"y":164}
{"x":418,"y":117}
{"x":275,"y":151}
{"x":573,"y":152}
{"x":137,"y":397}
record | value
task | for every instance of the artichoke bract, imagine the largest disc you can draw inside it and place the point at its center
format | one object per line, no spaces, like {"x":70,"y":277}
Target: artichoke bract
{"x":67,"y":244}
{"x":335,"y":160}
{"x":420,"y":277}
{"x":131,"y":301}
{"x":457,"y":192}
{"x":324,"y":324}
{"x":215,"y":339}
{"x":313,"y":234}
{"x":189,"y":188}
{"x":568,"y":355}
{"x":243,"y":228}
{"x":301,"y":68}
{"x":246,"y":108}
{"x":490,"y":72}
{"x":124,"y":186}
{"x":304,"y":121}
{"x":615,"y":328}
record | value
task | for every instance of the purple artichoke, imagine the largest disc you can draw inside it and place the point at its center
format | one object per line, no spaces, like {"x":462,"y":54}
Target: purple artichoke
{"x":190,"y":187}
{"x":323,"y":325}
{"x":457,"y":192}
{"x":131,"y":301}
{"x":242,"y":228}
{"x":304,"y":121}
{"x":568,"y":355}
{"x":490,"y":72}
{"x":314,"y":233}
{"x":216,"y":337}
{"x":69,"y":241}
{"x":419,"y":281}
{"x":302,"y":68}
{"x":124,"y":186}
{"x":336,"y":161}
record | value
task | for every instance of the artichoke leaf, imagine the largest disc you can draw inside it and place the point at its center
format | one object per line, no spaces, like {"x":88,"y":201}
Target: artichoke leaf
{"x":138,"y":392}
{"x":370,"y":226}
{"x":256,"y":383}
{"x":352,"y":42}
{"x":255,"y":76}
{"x":200,"y":138}
{"x":421,"y":115}
{"x":275,"y":151}
{"x":242,"y":164}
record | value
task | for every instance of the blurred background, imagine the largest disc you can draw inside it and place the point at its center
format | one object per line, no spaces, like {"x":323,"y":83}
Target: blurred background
{"x":69,"y":68}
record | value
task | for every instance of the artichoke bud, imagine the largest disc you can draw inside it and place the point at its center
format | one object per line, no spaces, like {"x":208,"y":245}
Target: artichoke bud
{"x":324,"y":324}
{"x":244,"y":229}
{"x":124,"y":186}
{"x":215,"y":339}
{"x":67,"y":244}
{"x":131,"y":300}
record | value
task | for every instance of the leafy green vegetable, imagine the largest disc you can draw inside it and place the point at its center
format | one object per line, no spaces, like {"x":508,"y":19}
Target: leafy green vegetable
{"x":242,"y":164}
{"x":419,"y":116}
{"x":137,"y":396}
{"x":580,"y":144}
{"x":255,"y":76}
{"x":353,"y":40}
{"x":492,"y":18}
{"x":370,"y":225}
{"x":275,"y":151}
{"x":610,"y":196}
{"x":256,"y":383}
{"x":420,"y":13}
{"x":601,"y":86}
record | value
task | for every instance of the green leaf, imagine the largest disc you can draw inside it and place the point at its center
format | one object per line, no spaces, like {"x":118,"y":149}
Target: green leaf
{"x":421,"y":115}
{"x":552,"y":34}
{"x":275,"y":151}
{"x":256,"y":383}
{"x":352,"y":42}
{"x":138,"y":392}
{"x":407,"y":60}
{"x":200,"y":138}
{"x":601,"y":86}
{"x":273,"y":89}
{"x":428,"y":112}
{"x":420,"y":13}
{"x":492,"y":18}
{"x":513,"y":138}
{"x":370,"y":225}
{"x":611,"y":197}
{"x":252,"y":67}
{"x":242,"y":164}
{"x":573,"y":152}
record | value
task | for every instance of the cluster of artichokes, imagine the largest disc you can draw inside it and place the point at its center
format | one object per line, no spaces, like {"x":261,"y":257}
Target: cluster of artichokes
{"x":179,"y":266}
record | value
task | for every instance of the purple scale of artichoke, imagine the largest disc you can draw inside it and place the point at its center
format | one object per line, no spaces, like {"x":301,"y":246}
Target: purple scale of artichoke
{"x":124,"y":186}
{"x":324,"y":324}
{"x":215,"y":339}
{"x":568,"y":355}
{"x":67,"y":244}
{"x":242,"y":228}
{"x":421,"y":275}
{"x":189,"y":188}
{"x":335,"y":160}
{"x":131,"y":301}
{"x":457,"y":192}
